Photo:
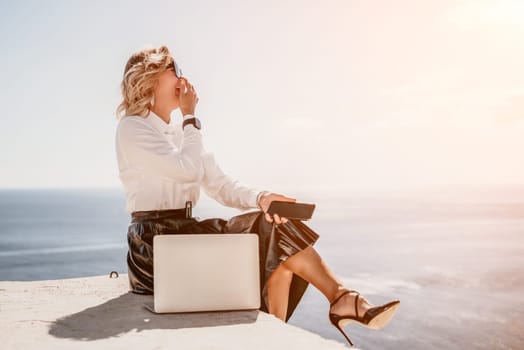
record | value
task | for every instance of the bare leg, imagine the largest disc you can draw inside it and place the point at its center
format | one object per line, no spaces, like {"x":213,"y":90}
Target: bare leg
{"x":278,"y":286}
{"x":310,"y":266}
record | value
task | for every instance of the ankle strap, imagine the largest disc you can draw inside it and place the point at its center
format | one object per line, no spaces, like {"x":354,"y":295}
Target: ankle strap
{"x":342,"y":294}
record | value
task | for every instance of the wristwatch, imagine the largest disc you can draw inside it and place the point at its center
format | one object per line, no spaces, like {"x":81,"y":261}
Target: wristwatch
{"x":195,"y":121}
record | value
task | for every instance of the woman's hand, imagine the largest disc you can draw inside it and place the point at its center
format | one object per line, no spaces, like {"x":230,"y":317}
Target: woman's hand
{"x":186,"y":95}
{"x":265,"y":201}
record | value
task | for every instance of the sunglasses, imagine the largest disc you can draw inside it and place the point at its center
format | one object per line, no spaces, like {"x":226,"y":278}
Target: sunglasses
{"x":173,"y":65}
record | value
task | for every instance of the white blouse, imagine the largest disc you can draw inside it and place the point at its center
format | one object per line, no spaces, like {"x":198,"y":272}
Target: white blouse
{"x":162,"y":166}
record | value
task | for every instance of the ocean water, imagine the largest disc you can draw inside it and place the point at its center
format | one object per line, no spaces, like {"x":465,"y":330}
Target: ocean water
{"x":453,"y":256}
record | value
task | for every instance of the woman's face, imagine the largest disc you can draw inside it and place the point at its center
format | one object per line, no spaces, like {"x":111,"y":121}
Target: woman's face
{"x":164,"y":90}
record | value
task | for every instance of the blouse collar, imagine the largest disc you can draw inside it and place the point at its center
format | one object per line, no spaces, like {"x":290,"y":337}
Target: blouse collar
{"x":159,"y":124}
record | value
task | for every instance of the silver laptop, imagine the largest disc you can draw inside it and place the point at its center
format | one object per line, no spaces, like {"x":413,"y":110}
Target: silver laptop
{"x":205,"y":272}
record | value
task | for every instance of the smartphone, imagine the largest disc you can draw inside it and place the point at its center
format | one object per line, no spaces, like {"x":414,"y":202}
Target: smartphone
{"x":291,"y":210}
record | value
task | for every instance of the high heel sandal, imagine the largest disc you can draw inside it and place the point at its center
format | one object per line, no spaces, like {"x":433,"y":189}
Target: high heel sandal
{"x":375,"y":318}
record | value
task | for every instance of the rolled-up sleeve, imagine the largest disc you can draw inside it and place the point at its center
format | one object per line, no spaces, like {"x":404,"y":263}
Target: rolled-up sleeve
{"x":144,"y":146}
{"x":224,"y":189}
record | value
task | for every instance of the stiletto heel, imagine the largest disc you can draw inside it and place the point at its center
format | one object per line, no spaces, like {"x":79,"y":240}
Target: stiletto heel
{"x":336,"y":323}
{"x":375,"y":317}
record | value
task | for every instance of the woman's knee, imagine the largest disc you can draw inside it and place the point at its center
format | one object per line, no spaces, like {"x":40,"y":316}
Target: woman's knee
{"x":281,"y":273}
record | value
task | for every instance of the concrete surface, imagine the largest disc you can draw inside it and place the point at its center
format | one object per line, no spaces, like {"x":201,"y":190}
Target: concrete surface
{"x":99,"y":313}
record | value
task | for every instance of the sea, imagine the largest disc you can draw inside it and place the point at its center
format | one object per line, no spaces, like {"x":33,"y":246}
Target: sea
{"x":453,"y":255}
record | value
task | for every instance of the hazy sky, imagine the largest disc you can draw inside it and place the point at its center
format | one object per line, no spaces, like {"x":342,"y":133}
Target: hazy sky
{"x":292,"y":94}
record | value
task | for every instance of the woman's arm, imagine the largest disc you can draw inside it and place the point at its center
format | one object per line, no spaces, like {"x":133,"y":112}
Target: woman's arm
{"x":224,"y":189}
{"x":142,"y":145}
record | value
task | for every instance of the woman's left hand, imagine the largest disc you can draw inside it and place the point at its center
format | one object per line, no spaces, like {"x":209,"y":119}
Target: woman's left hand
{"x":265,"y":201}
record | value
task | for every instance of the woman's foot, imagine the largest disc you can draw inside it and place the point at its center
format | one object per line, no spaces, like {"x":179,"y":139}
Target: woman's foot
{"x":349,"y":306}
{"x":346,"y":304}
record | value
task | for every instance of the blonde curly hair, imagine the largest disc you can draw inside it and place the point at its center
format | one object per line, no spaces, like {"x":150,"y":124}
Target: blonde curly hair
{"x":140,"y":77}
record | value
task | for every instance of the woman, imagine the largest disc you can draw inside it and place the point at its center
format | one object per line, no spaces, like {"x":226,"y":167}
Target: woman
{"x":163,"y":164}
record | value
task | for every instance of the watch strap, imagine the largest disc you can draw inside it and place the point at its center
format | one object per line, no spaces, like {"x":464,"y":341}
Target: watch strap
{"x":193,"y":120}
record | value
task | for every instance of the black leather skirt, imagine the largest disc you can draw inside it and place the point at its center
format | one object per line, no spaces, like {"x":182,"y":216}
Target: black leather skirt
{"x":276,"y":244}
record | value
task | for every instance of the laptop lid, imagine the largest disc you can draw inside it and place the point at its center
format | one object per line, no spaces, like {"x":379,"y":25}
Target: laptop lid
{"x":206,"y":272}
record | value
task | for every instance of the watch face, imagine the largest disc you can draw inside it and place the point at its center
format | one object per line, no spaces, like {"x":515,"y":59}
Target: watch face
{"x":197,"y":123}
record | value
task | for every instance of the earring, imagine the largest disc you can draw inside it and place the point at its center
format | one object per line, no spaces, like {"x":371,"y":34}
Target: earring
{"x":152,"y":103}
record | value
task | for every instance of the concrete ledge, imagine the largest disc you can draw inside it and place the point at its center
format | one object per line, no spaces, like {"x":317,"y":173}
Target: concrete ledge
{"x":99,"y":312}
